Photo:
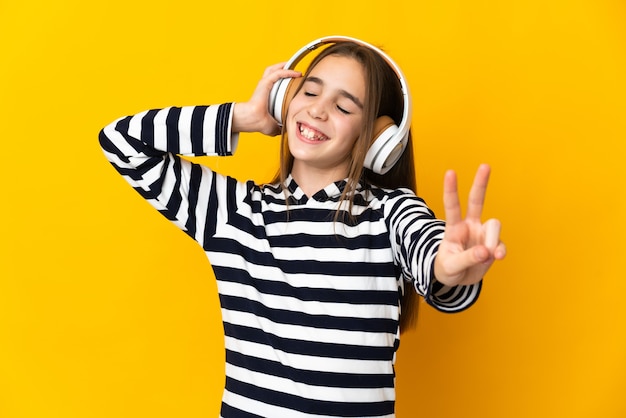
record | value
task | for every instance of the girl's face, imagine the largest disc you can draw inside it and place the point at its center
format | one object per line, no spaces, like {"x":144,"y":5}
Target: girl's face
{"x":324,"y":118}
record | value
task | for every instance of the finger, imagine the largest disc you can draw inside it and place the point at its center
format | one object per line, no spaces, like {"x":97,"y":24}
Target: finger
{"x":500,"y":251}
{"x":274,"y":67}
{"x":451,"y":203}
{"x":278,"y":71}
{"x":478,"y":192}
{"x":282,"y":73}
{"x":491,"y":230}
{"x":270,"y":79}
{"x":475,"y":260}
{"x":271,"y":76}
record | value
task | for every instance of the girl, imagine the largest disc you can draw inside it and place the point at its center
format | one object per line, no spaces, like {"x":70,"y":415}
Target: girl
{"x":314,"y":270}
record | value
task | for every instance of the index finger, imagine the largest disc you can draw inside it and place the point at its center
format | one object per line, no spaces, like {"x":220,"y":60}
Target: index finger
{"x":477,"y":192}
{"x":451,"y":204}
{"x":270,"y":69}
{"x":279,"y":71}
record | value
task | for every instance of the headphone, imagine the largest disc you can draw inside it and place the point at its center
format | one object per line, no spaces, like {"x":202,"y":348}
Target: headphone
{"x":390,"y":139}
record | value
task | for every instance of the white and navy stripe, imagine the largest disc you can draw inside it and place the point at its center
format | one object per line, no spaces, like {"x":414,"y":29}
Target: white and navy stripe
{"x":310,"y":305}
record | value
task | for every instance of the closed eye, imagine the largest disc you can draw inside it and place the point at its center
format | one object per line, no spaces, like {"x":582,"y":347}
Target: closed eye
{"x":342,"y":110}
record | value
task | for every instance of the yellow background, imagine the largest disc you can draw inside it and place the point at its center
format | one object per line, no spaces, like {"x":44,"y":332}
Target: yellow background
{"x":106,"y":310}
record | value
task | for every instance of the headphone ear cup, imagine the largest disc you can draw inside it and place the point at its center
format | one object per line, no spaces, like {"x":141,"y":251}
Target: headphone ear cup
{"x":276,"y":97}
{"x":386,"y":148}
{"x":381,"y":124}
{"x":280,"y":96}
{"x":292,"y":88}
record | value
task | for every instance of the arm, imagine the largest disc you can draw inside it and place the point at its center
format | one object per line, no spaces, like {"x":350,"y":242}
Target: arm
{"x":447,"y":263}
{"x":144,"y":149}
{"x":416,"y":237}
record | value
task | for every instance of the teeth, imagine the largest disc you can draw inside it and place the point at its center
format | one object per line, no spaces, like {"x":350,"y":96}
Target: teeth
{"x":311,"y":134}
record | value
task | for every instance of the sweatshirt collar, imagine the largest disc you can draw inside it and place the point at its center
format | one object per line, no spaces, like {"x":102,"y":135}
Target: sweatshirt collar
{"x":330,"y":192}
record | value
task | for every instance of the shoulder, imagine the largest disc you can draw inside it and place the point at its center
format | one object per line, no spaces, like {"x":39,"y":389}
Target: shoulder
{"x":400,"y":202}
{"x":394,"y":195}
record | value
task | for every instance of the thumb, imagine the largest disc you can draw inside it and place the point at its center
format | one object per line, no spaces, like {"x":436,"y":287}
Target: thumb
{"x":465,"y":267}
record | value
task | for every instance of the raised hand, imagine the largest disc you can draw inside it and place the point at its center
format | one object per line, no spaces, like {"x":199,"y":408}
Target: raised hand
{"x":469,"y":247}
{"x":253,"y":115}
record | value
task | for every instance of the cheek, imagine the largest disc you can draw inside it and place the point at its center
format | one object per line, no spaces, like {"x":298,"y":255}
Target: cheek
{"x":350,"y":139}
{"x":353,"y":130}
{"x":352,"y":134}
{"x":294,"y":105}
{"x":293,"y":108}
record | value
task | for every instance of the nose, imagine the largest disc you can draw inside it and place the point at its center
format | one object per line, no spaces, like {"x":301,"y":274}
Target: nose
{"x":317,"y":109}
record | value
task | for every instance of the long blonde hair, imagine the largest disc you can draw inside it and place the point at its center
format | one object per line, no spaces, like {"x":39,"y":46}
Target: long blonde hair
{"x":383,"y":97}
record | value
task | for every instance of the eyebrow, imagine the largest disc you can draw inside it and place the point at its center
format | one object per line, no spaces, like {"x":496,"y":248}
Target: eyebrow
{"x":342,"y":92}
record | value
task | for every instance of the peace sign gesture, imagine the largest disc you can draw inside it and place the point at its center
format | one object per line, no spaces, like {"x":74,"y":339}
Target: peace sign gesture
{"x":469,"y":247}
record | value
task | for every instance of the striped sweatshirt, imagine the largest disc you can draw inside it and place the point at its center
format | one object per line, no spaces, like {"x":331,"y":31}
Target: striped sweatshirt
{"x":310,"y":304}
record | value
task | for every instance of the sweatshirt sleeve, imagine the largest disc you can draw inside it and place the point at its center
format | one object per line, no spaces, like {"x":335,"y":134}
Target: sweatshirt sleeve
{"x":146,"y":150}
{"x":415,"y":238}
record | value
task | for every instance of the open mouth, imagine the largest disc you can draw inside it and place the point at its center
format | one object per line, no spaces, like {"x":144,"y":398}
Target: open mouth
{"x":311,"y":134}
